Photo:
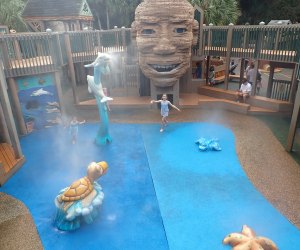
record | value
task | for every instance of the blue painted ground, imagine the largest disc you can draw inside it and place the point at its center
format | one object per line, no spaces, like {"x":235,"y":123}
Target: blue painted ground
{"x":197,"y":198}
{"x":130,"y":217}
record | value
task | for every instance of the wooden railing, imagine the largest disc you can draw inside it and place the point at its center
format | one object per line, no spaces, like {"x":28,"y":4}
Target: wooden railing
{"x":215,"y":40}
{"x":273,"y":43}
{"x":35,"y":53}
{"x":131,"y":75}
{"x":29,"y":53}
{"x":86,"y":44}
{"x":281,"y":90}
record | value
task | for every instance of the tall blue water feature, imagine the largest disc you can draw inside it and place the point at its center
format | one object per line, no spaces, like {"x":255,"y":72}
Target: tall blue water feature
{"x":101,"y":66}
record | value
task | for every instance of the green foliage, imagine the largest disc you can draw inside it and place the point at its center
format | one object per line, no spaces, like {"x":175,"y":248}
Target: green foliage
{"x":256,"y":11}
{"x":114,"y":12}
{"x":10,"y":14}
{"x":218,"y":12}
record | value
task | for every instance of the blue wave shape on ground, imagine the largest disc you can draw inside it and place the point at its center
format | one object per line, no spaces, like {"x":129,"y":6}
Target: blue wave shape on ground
{"x":197,"y":198}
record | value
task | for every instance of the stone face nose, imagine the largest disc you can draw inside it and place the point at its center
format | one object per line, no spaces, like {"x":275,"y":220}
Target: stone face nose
{"x":164,"y":47}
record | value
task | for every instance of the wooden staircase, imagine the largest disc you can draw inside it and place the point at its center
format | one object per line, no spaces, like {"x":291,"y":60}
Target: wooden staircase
{"x":9,"y":164}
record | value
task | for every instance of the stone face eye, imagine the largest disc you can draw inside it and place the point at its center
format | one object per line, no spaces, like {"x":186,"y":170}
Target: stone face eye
{"x":180,"y":30}
{"x":148,"y":32}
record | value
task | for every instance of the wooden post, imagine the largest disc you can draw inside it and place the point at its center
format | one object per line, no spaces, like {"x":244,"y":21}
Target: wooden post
{"x":256,"y":63}
{"x":277,"y":38}
{"x":123,"y":38}
{"x":138,"y":79}
{"x":77,"y":25}
{"x":12,"y":85}
{"x":200,"y":40}
{"x":242,"y":70}
{"x":60,"y":57}
{"x":71,"y":67}
{"x":99,"y":41}
{"x":8,"y":115}
{"x":17,"y":49}
{"x":59,"y":91}
{"x":186,"y":86}
{"x":209,"y":35}
{"x":294,"y":85}
{"x":3,"y":125}
{"x":207,"y":68}
{"x":6,"y":61}
{"x":228,"y":52}
{"x":293,"y":126}
{"x":270,"y":82}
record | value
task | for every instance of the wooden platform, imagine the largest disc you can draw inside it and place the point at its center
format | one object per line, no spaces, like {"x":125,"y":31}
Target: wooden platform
{"x":119,"y":102}
{"x":223,"y":104}
{"x":8,"y":162}
{"x":31,"y":62}
{"x":255,"y":101}
{"x":234,"y":77}
{"x":209,"y":98}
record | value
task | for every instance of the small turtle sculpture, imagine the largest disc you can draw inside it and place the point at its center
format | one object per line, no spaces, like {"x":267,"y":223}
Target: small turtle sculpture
{"x":81,"y":200}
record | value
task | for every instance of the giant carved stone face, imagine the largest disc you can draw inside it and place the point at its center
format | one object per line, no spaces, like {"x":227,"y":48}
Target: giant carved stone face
{"x":165,"y":30}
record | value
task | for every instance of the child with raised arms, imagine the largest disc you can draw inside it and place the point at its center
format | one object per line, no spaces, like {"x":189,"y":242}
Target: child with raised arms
{"x":164,"y":110}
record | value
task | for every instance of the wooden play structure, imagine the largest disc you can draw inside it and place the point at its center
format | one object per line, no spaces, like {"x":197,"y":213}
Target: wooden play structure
{"x":11,"y":157}
{"x":63,"y":54}
{"x":67,"y":15}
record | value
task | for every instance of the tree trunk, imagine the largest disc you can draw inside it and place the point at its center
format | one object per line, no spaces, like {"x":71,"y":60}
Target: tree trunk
{"x":107,"y":19}
{"x":99,"y":21}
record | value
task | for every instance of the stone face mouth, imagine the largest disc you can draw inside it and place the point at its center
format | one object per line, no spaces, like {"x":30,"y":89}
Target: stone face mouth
{"x":164,"y":68}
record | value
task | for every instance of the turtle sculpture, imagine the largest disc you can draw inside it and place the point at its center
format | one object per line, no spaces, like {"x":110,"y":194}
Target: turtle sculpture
{"x":81,"y":200}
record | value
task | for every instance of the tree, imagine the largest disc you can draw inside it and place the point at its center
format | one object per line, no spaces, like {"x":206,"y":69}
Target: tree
{"x":256,"y":11}
{"x":100,"y":9}
{"x":10,"y":14}
{"x":218,"y":12}
{"x":113,"y":12}
{"x":125,"y":11}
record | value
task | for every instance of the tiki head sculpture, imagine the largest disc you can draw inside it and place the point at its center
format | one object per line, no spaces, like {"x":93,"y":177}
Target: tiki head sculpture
{"x":165,"y":30}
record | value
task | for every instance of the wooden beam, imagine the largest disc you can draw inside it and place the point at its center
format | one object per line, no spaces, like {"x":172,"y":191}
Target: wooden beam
{"x":207,"y":68}
{"x":294,"y":121}
{"x":55,"y":18}
{"x":8,"y":115}
{"x":270,"y":82}
{"x":12,"y":85}
{"x":57,"y":76}
{"x":283,"y":65}
{"x":242,"y":71}
{"x":4,"y":127}
{"x":228,"y":52}
{"x":256,"y":63}
{"x":71,"y":67}
{"x":294,"y":85}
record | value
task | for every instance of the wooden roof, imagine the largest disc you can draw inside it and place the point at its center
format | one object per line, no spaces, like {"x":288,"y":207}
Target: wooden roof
{"x":52,"y":9}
